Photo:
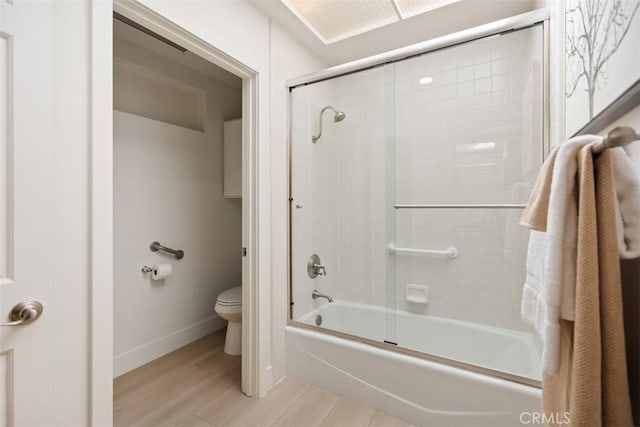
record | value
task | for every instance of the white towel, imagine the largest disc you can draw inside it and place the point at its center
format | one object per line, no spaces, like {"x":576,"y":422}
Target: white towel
{"x":549,"y":290}
{"x":531,"y":293}
{"x":627,"y":184}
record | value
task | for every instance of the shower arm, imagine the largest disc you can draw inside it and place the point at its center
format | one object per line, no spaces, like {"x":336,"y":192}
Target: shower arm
{"x":315,"y":139}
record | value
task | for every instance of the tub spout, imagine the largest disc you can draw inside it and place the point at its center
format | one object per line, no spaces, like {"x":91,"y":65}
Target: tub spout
{"x":317,"y":294}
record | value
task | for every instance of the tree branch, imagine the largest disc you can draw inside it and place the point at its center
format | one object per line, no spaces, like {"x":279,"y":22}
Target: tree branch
{"x":618,"y":42}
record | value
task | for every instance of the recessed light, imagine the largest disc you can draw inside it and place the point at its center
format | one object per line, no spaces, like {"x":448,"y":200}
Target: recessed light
{"x":425,"y":80}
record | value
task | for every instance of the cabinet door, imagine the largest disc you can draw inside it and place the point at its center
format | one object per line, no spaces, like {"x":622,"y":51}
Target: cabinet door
{"x":232,"y":158}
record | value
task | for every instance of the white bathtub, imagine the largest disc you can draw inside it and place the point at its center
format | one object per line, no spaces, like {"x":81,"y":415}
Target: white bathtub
{"x":421,"y":391}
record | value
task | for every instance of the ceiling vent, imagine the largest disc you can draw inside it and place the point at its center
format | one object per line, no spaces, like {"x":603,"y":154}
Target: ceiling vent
{"x":335,"y":20}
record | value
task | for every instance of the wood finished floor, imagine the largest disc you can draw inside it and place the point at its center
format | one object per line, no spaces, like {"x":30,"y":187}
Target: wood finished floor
{"x":199,"y":385}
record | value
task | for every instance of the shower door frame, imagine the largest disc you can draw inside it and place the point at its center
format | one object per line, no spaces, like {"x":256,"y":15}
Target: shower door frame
{"x":514,"y":23}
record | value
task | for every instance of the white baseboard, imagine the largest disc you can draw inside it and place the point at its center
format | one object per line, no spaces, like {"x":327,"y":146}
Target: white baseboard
{"x":129,"y":360}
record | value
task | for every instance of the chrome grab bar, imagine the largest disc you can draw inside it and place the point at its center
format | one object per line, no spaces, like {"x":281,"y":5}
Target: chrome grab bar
{"x":156,"y":246}
{"x":451,"y":252}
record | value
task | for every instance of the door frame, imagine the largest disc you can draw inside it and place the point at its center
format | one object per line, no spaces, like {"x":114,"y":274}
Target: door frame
{"x":254,"y":332}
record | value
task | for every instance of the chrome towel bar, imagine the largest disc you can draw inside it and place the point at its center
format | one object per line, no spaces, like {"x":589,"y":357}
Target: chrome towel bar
{"x":451,"y":252}
{"x":156,"y":246}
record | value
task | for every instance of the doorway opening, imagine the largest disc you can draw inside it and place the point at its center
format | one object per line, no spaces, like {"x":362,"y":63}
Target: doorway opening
{"x":184,"y":143}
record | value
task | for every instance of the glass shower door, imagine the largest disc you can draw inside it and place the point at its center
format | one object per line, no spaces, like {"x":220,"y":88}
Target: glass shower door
{"x":469,"y":143}
{"x":342,"y":193}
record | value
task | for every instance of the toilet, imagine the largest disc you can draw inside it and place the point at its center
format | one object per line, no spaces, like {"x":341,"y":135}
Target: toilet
{"x":229,"y":307}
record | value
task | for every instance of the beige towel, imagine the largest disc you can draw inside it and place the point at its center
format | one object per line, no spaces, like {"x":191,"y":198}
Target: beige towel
{"x":534,"y":216}
{"x":599,"y":240}
{"x":591,"y":383}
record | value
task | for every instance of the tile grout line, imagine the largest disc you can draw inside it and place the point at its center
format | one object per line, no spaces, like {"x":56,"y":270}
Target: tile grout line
{"x":333,"y":407}
{"x":300,"y":396}
{"x":288,"y":406}
{"x":202,"y":419}
{"x":190,"y":367}
{"x":171,"y":403}
{"x":373,"y":414}
{"x":163,"y":383}
{"x":198,"y":359}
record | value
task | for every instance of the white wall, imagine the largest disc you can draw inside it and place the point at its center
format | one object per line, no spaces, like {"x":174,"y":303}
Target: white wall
{"x":556,"y":69}
{"x":614,"y":76}
{"x":68,"y":311}
{"x":557,"y":112}
{"x":288,"y":59}
{"x":168,"y":187}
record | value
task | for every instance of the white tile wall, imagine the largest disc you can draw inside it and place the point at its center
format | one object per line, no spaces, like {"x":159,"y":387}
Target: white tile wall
{"x":480,"y":145}
{"x":412,"y":143}
{"x":340,"y":182}
{"x":490,"y":102}
{"x":483,"y":284}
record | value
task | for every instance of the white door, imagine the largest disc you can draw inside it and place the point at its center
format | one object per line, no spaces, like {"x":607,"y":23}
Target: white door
{"x":26,"y":211}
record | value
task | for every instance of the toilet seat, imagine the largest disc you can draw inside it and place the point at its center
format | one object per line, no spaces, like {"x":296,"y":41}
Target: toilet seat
{"x":230,"y":297}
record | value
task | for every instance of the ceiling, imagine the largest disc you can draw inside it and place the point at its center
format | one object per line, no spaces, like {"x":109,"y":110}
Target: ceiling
{"x":450,"y":17}
{"x":332,"y":21}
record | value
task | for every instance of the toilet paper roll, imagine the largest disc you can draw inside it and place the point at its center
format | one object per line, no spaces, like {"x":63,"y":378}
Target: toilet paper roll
{"x":161,"y":271}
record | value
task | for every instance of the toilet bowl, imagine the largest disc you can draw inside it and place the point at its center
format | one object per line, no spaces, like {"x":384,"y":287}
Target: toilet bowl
{"x":229,"y":307}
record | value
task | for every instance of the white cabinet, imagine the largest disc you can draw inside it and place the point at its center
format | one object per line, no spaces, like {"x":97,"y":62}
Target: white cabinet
{"x":232,"y":158}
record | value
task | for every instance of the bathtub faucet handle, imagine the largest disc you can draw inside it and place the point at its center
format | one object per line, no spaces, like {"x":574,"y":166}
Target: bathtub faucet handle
{"x":320,"y":269}
{"x":315,"y":267}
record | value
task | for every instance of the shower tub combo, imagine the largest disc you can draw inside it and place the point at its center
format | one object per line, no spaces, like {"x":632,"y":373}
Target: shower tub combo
{"x":406,"y":262}
{"x":423,"y":391}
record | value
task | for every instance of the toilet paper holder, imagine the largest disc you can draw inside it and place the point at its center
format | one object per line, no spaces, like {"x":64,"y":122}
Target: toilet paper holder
{"x":158,"y":272}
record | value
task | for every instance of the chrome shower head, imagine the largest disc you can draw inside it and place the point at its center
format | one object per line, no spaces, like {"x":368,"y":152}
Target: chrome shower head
{"x":338,"y":116}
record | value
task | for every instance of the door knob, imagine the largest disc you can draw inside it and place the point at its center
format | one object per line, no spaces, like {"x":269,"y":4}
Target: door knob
{"x":24,"y":312}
